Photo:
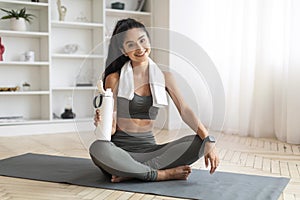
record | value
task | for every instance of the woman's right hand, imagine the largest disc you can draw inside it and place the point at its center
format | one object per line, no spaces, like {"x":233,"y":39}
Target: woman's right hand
{"x":97,"y":118}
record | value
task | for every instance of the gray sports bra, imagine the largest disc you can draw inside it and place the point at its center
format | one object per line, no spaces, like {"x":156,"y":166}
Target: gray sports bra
{"x":140,"y":107}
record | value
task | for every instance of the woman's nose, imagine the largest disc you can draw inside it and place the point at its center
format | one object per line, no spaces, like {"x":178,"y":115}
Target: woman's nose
{"x":139,"y":47}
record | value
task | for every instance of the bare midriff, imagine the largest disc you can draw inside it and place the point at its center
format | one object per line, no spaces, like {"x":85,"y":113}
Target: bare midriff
{"x":134,"y":125}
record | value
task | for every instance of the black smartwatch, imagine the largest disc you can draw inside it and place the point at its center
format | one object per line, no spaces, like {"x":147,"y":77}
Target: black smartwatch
{"x":209,"y":138}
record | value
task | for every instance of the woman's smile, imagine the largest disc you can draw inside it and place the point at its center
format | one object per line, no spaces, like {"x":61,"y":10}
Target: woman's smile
{"x":136,"y":45}
{"x":141,"y":53}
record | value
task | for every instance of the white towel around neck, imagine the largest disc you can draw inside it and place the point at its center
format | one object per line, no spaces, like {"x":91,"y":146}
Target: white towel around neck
{"x":156,"y":80}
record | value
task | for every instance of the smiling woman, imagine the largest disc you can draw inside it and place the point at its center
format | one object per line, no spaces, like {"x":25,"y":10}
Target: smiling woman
{"x":137,"y":47}
{"x":140,"y":88}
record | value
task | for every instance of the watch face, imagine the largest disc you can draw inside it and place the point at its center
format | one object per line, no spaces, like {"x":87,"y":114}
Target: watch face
{"x":211,"y":138}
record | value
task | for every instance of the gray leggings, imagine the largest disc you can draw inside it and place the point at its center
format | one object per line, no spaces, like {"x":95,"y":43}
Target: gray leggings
{"x":138,"y":156}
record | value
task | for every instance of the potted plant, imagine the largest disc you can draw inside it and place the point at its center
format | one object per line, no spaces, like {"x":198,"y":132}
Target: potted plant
{"x":18,"y":18}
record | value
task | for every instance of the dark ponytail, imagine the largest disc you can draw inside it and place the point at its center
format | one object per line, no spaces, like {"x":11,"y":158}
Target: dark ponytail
{"x":115,"y":58}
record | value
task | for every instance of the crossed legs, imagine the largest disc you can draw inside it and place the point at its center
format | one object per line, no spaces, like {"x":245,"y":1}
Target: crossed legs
{"x":169,"y":161}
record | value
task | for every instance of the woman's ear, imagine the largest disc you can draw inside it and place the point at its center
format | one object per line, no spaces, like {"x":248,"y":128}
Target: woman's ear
{"x":123,"y":52}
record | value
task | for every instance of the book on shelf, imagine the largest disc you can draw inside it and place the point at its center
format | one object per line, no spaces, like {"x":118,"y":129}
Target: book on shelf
{"x":11,"y":119}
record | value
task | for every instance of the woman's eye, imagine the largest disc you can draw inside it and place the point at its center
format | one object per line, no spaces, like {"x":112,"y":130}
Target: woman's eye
{"x":130,"y":45}
{"x":143,"y":40}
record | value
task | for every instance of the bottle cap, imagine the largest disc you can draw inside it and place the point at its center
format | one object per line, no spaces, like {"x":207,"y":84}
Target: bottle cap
{"x":108,"y":92}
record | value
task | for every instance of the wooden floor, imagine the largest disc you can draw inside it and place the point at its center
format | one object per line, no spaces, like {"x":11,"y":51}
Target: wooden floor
{"x":238,"y":154}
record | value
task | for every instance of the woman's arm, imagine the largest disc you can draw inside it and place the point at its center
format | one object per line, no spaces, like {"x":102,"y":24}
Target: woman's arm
{"x":189,"y":117}
{"x":186,"y":113}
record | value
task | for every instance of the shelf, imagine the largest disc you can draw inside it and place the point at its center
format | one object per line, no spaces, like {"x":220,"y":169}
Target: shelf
{"x":26,"y":3}
{"x":23,"y":121}
{"x":83,"y":25}
{"x":79,"y":56}
{"x":40,"y":121}
{"x":92,"y":88}
{"x":88,"y":119}
{"x":25,"y":93}
{"x":115,"y":12}
{"x":18,"y":63}
{"x":23,"y":34}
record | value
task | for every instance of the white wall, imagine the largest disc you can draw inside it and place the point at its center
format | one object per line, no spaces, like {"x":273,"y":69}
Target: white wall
{"x":184,"y":16}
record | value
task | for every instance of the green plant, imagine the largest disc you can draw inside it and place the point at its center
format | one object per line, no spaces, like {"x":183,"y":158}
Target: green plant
{"x":17,"y":14}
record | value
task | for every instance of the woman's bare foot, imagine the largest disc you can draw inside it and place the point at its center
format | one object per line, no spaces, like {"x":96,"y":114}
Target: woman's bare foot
{"x":178,"y":173}
{"x":118,"y":179}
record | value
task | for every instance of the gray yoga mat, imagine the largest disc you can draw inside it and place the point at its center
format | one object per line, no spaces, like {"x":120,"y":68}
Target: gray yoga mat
{"x":200,"y":185}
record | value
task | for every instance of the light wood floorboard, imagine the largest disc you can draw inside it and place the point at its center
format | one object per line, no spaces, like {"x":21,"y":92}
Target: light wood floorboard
{"x":247,"y":155}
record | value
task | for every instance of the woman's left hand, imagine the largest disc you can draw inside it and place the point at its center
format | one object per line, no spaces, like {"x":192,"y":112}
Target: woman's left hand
{"x":211,"y":157}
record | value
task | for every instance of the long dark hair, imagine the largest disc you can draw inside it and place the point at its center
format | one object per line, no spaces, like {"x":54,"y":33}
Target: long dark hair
{"x":115,"y":58}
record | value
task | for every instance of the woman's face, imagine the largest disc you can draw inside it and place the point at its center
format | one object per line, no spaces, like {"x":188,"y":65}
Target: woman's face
{"x":136,"y":45}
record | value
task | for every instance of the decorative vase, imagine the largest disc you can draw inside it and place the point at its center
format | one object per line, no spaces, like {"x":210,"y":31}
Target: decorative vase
{"x":18,"y":24}
{"x":25,"y":86}
{"x":68,"y":114}
{"x":62,"y":10}
{"x":2,"y":49}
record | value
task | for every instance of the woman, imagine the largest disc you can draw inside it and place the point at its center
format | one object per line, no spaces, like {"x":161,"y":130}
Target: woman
{"x":139,"y":89}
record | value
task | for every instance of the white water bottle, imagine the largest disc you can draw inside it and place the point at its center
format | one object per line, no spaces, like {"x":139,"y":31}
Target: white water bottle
{"x":105,"y":102}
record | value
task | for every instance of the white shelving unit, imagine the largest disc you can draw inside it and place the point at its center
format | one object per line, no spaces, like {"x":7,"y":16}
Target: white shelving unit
{"x":22,"y":63}
{"x":113,"y":15}
{"x":83,"y":26}
{"x":126,"y":13}
{"x":25,"y":93}
{"x":75,"y":88}
{"x":79,"y":56}
{"x":29,"y":34}
{"x":54,"y":74}
{"x":31,"y":105}
{"x":27,"y":4}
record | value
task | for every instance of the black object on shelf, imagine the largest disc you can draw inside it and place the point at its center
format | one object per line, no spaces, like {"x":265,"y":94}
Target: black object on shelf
{"x":118,"y":5}
{"x":84,"y":84}
{"x":35,"y":0}
{"x":68,"y":114}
